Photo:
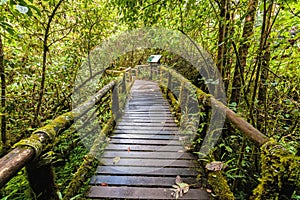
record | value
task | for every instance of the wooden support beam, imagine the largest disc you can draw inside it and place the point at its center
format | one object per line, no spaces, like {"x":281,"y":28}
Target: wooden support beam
{"x":42,"y":181}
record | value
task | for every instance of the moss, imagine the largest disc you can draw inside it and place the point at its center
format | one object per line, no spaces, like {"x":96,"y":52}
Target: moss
{"x":280,"y":172}
{"x":219,"y":184}
{"x":57,"y":125}
{"x":203,"y":97}
{"x":34,"y":141}
{"x":89,"y":161}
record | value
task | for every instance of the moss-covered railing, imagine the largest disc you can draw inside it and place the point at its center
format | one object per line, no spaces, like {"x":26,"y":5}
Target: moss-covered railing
{"x":27,"y":152}
{"x":280,"y":170}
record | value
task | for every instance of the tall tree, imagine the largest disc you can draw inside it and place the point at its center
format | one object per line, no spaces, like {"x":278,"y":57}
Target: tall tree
{"x":248,"y":31}
{"x":44,"y":66}
{"x":3,"y":95}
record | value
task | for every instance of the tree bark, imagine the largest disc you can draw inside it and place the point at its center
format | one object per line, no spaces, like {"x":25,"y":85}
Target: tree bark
{"x":222,"y":28}
{"x":3,"y":95}
{"x":248,"y":31}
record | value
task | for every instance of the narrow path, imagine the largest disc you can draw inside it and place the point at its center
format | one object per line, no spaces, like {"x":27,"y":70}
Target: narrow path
{"x":145,"y":153}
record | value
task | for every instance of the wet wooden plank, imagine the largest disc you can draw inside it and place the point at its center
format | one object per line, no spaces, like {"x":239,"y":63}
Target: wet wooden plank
{"x":145,"y":124}
{"x":148,"y":155}
{"x":152,"y":136}
{"x":151,"y":132}
{"x":161,"y":127}
{"x":148,"y":132}
{"x":142,"y":193}
{"x":148,"y":162}
{"x":157,"y":171}
{"x":148,"y":114}
{"x":140,"y":141}
{"x":138,"y":120}
{"x":149,"y":146}
{"x":124,"y":147}
{"x":138,"y":180}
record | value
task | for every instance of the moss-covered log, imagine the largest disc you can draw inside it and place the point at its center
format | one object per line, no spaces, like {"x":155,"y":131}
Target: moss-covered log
{"x":219,"y":184}
{"x":209,"y":100}
{"x":280,"y":174}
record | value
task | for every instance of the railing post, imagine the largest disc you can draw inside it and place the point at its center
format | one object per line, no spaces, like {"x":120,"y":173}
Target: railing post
{"x":115,"y":101}
{"x":161,"y":76}
{"x":138,"y":72}
{"x":151,"y":71}
{"x":42,"y":181}
{"x":124,"y":83}
{"x":169,"y":84}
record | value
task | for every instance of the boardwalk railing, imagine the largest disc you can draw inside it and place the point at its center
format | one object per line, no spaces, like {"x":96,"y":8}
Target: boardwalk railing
{"x":280,"y":171}
{"x":27,"y":151}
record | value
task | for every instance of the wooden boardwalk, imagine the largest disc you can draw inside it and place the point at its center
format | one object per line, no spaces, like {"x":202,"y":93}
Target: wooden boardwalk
{"x":145,"y":154}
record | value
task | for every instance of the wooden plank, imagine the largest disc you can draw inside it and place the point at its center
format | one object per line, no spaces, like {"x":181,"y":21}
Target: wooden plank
{"x":124,"y":147}
{"x":137,"y":120}
{"x":157,"y":171}
{"x":135,"y":131}
{"x":138,"y":180}
{"x":148,"y":162}
{"x":144,"y":124}
{"x":126,"y":117}
{"x":149,"y":146}
{"x":148,"y":155}
{"x":142,"y":193}
{"x":136,"y":141}
{"x":161,"y":127}
{"x":148,"y":113}
{"x":152,"y":136}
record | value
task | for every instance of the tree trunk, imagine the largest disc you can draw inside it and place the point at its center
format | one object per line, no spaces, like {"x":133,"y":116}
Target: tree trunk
{"x":222,"y":30}
{"x":3,"y":95}
{"x":36,"y":121}
{"x":264,"y":65}
{"x":248,"y":31}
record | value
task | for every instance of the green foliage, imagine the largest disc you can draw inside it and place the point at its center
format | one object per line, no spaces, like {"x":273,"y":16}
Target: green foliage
{"x":219,"y":184}
{"x":16,"y":188}
{"x":280,"y":172}
{"x":79,"y":26}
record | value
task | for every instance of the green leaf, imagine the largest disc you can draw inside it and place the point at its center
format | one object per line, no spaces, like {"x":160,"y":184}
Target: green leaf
{"x":38,"y":11}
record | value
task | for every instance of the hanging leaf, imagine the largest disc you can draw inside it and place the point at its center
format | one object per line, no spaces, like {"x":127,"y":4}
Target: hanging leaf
{"x":22,"y":9}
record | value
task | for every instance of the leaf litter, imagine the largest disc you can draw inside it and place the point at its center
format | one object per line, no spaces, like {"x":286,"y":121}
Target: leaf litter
{"x":180,"y":188}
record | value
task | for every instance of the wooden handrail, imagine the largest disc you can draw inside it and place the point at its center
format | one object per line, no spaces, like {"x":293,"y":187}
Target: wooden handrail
{"x":241,"y":124}
{"x":27,"y":149}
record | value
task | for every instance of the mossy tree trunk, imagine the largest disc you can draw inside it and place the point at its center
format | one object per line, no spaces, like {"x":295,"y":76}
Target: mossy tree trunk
{"x":3,"y":95}
{"x":241,"y":62}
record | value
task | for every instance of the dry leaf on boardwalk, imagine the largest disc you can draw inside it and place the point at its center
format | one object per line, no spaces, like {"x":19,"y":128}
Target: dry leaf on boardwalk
{"x":180,"y":188}
{"x":116,"y":160}
{"x":215,"y":166}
